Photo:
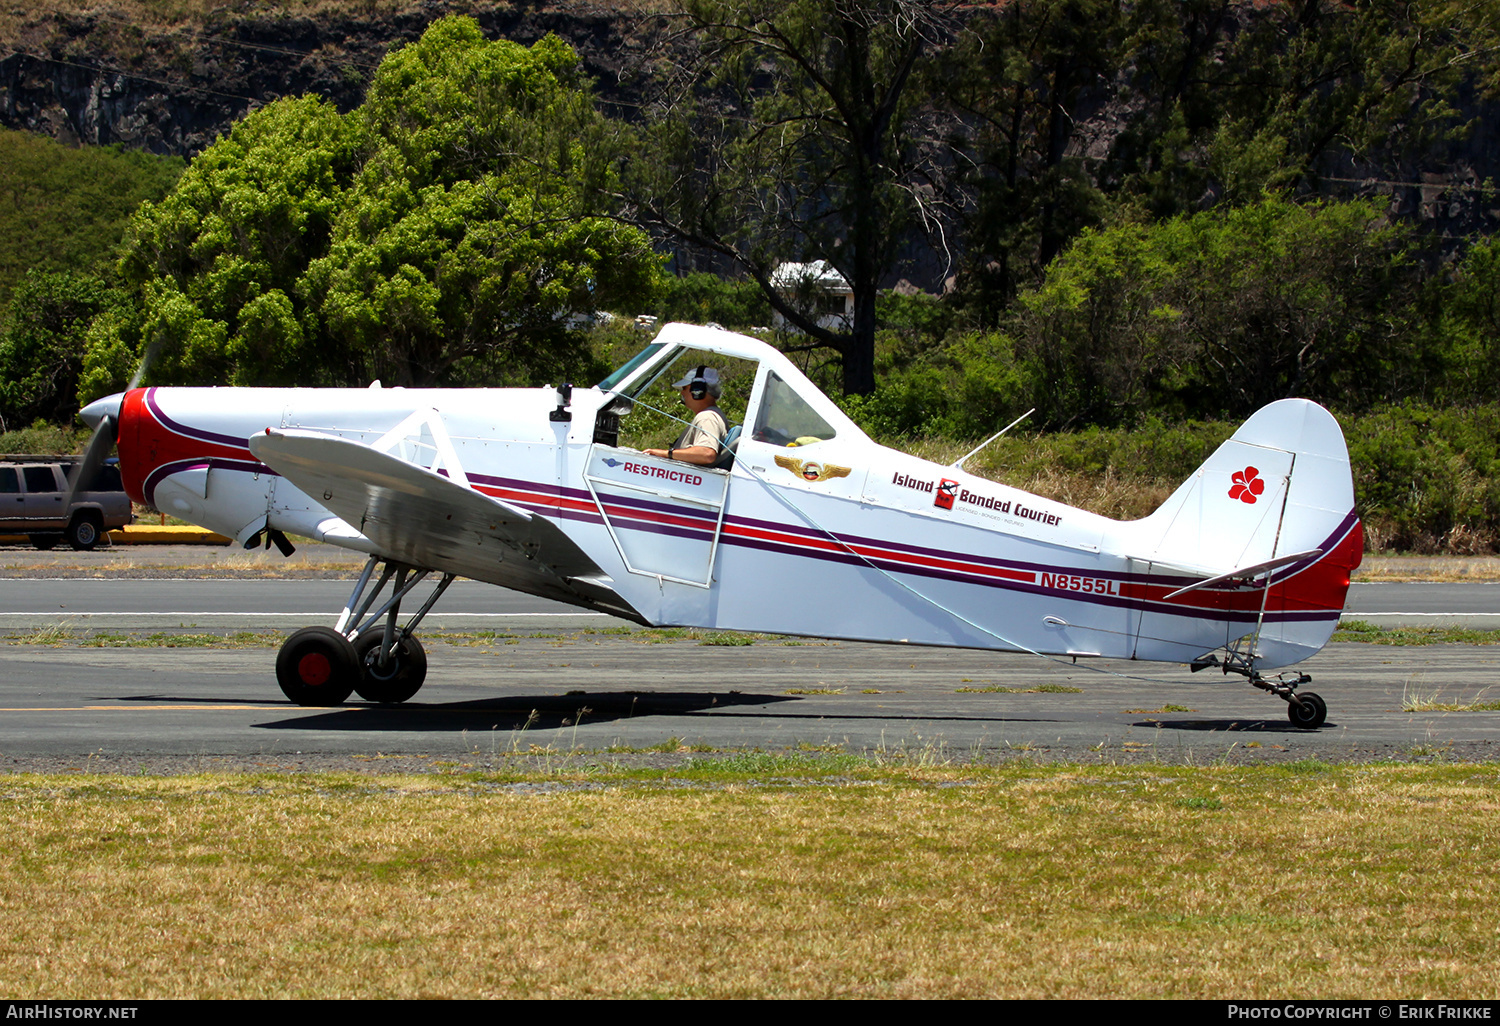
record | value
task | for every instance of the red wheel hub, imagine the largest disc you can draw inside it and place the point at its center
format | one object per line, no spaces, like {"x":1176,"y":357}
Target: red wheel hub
{"x":314,"y":669}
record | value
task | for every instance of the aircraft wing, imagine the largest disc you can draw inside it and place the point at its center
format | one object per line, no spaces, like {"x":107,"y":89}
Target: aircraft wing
{"x":414,"y":515}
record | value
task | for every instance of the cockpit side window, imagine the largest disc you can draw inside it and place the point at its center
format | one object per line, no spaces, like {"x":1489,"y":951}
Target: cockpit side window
{"x":786,"y":419}
{"x":657,"y":415}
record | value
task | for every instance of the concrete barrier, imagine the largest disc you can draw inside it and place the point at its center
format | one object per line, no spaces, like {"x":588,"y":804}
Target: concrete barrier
{"x":152,"y":534}
{"x":143,"y":534}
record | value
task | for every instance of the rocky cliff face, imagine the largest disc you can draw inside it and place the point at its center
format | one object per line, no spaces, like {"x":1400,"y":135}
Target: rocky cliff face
{"x":93,"y":79}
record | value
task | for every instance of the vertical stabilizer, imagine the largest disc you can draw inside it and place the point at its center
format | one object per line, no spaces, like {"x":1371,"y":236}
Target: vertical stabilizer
{"x":1280,"y":486}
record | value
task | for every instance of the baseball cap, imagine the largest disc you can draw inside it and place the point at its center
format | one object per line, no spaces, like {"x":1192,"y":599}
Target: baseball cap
{"x":709,"y":376}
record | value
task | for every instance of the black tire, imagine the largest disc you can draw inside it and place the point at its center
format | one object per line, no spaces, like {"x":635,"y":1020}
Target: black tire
{"x":400,"y":680}
{"x":85,"y":531}
{"x":45,"y":542}
{"x":316,"y":666}
{"x":1310,"y":714}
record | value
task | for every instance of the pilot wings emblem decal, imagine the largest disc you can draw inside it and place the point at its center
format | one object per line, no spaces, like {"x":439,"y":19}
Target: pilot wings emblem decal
{"x":810,"y":470}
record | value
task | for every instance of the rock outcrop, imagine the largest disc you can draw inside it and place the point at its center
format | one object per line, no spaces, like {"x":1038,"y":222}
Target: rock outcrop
{"x":90,"y":79}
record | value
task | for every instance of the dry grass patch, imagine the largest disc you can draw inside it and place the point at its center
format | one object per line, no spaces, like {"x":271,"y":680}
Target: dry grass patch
{"x":1377,"y":567}
{"x":58,"y":635}
{"x":1417,"y":698}
{"x":1311,"y":881}
{"x":1038,"y":689}
{"x":1360,"y":630}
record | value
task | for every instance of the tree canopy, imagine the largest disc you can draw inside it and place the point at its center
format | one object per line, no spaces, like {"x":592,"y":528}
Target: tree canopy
{"x":41,"y":349}
{"x":811,"y":149}
{"x":1222,"y":312}
{"x":441,"y":233}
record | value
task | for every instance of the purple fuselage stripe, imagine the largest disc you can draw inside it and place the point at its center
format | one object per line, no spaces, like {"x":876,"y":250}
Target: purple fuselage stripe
{"x":161,"y":473}
{"x":893,"y":563}
{"x":192,"y":432}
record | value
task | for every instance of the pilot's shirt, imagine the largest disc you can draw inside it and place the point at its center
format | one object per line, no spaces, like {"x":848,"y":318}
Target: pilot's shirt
{"x":708,"y":428}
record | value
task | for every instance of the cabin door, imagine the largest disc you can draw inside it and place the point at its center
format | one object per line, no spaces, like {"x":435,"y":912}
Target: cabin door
{"x":665,"y":516}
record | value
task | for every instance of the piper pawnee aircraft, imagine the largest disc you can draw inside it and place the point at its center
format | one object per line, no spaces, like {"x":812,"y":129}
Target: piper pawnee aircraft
{"x":805,"y":527}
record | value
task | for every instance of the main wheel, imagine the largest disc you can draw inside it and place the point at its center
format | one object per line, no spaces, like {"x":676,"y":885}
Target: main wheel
{"x":1310,"y":714}
{"x":403,"y":673}
{"x":83,"y":533}
{"x":316,"y":666}
{"x":44,"y":541}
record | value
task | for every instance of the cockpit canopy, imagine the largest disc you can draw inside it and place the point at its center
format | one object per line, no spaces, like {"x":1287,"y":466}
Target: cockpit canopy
{"x":761,"y":388}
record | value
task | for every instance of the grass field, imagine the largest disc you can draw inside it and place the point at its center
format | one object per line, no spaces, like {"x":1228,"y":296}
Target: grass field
{"x":748,"y":875}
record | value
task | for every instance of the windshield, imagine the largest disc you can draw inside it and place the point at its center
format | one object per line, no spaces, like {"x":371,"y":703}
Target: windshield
{"x":609,"y":383}
{"x":786,"y":419}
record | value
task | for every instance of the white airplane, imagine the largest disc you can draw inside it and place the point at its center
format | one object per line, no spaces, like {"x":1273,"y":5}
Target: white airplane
{"x":807,"y":527}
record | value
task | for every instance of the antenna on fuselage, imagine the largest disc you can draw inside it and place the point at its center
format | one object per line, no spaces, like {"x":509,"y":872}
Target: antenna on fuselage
{"x":959,"y":464}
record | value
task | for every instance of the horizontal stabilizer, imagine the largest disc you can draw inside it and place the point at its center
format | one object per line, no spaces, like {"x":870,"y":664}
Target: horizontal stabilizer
{"x":1250,"y":571}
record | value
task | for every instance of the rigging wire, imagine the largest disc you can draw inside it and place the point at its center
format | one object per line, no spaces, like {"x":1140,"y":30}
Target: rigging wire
{"x":779,"y":494}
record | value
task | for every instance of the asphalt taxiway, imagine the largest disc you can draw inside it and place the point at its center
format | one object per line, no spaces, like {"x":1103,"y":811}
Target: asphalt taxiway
{"x":272,"y":604}
{"x":560,"y":683}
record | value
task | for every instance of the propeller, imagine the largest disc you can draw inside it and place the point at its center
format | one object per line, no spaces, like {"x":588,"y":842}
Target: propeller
{"x":103,"y":415}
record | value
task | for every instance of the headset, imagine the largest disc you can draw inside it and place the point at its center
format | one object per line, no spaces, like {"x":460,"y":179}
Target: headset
{"x":698,"y":388}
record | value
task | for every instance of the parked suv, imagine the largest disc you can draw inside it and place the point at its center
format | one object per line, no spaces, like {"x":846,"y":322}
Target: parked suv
{"x":34,"y":502}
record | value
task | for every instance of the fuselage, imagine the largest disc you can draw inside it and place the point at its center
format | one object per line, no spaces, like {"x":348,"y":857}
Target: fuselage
{"x":829,"y":534}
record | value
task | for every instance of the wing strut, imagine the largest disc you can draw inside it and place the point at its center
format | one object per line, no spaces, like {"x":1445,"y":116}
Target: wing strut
{"x":408,"y":436}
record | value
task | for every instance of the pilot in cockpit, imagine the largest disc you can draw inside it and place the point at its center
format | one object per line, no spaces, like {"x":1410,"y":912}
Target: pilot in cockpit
{"x":703,"y":440}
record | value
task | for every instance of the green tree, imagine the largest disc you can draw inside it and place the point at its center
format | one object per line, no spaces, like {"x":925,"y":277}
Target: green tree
{"x":439,"y":234}
{"x":811,"y":148}
{"x":42,"y":346}
{"x":1464,"y":306}
{"x":218,"y":264}
{"x":1238,"y":97}
{"x":1023,"y":76}
{"x":1085,"y":112}
{"x":64,"y":208}
{"x":467,"y":238}
{"x":1219,"y":313}
{"x":702,"y":297}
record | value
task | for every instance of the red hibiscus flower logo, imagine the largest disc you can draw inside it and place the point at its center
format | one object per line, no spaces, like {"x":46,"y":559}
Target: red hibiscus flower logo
{"x":1247,"y":485}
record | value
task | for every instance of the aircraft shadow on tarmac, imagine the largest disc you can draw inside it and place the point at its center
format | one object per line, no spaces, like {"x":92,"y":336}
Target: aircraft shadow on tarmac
{"x":526,"y":712}
{"x":1267,"y":726}
{"x":551,"y":712}
{"x":556,"y":711}
{"x":185,"y":700}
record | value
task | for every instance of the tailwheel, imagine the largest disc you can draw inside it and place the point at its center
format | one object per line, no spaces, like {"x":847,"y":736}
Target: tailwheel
{"x":389,"y":677}
{"x":1307,"y":710}
{"x":317,"y":666}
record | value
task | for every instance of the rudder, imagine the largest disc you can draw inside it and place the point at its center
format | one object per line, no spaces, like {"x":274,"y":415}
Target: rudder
{"x":1281,"y":485}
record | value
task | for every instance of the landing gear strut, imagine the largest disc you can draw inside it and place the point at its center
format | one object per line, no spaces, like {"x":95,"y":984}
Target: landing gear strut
{"x":1305,"y":709}
{"x":383,"y":662}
